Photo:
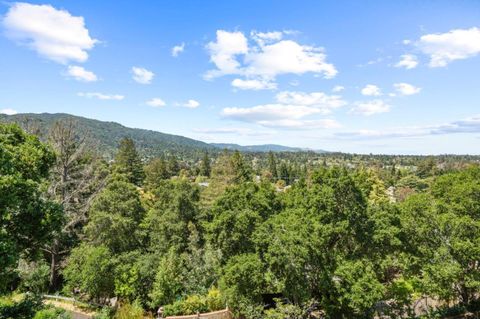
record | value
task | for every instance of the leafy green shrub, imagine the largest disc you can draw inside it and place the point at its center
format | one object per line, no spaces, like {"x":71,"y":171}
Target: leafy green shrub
{"x":52,"y":313}
{"x":214,"y":300}
{"x":194,"y":304}
{"x":105,"y":313}
{"x":23,"y":309}
{"x":173,"y":309}
{"x":285,"y":311}
{"x":129,"y":311}
{"x":33,"y":276}
{"x":89,"y":268}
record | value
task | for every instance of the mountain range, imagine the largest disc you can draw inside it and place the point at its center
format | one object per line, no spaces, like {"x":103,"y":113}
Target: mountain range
{"x":149,"y":143}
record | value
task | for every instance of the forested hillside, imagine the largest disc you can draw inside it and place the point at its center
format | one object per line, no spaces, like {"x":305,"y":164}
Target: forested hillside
{"x":108,"y":134}
{"x":286,"y":235}
{"x":149,"y":143}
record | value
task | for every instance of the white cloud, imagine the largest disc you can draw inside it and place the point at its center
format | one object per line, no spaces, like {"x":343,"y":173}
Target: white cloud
{"x":254,"y":84}
{"x":290,"y":124}
{"x":319,"y":100}
{"x":406,"y":89}
{"x":156,"y":102}
{"x":407,"y":61}
{"x":370,"y":107}
{"x":142,"y":76}
{"x":266,"y":37}
{"x":101,"y":96}
{"x":267,"y":57}
{"x":176,"y":50}
{"x":223,"y":52}
{"x":8,"y":111}
{"x":80,"y":74}
{"x":290,"y":111}
{"x":444,"y":48}
{"x":279,"y":116}
{"x":268,"y":112}
{"x":338,"y":88}
{"x":192,"y":104}
{"x":288,"y":56}
{"x":233,"y":130}
{"x":371,"y":90}
{"x":52,"y":33}
{"x":469,"y":125}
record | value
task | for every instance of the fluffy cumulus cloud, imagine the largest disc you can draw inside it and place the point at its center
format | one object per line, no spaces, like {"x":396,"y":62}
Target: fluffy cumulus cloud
{"x":371,"y":90}
{"x":254,"y":84}
{"x":8,"y":111}
{"x":268,"y":112}
{"x":142,"y":75}
{"x":101,"y":96}
{"x":324,"y":103}
{"x":176,"y":50}
{"x":370,"y":107}
{"x":290,"y":111}
{"x":469,"y":125}
{"x":156,"y":102}
{"x":406,"y":89}
{"x":265,"y":57}
{"x":443,"y":48}
{"x":192,"y":104}
{"x":80,"y":74}
{"x":224,"y":51}
{"x":54,"y":34}
{"x":407,"y":61}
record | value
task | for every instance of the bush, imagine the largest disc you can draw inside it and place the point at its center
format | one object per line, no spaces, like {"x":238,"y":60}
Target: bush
{"x":196,"y":303}
{"x":33,"y":276}
{"x":189,"y":306}
{"x":89,"y":268}
{"x":129,"y":311}
{"x":214,"y":300}
{"x":105,"y":313}
{"x":52,"y":313}
{"x":23,"y":309}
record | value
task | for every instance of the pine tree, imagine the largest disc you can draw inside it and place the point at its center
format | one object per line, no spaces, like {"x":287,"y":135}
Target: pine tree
{"x":173,"y":166}
{"x":241,"y":170}
{"x":272,"y":165}
{"x":205,"y":168}
{"x":127,"y":161}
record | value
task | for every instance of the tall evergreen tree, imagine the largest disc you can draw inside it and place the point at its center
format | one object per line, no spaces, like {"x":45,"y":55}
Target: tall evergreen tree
{"x":205,"y":168}
{"x":156,"y":171}
{"x":128,"y":162}
{"x":115,"y":216}
{"x":272,"y":165}
{"x":241,"y":170}
{"x":173,"y":166}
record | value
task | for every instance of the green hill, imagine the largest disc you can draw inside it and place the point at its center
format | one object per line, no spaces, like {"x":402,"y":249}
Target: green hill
{"x":149,"y":143}
{"x":107,"y":134}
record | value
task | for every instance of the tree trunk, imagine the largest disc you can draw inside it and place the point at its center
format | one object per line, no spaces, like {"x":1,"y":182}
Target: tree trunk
{"x":54,"y":260}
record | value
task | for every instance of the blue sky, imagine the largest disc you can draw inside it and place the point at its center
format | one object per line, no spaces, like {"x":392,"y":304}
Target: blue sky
{"x":353,"y":76}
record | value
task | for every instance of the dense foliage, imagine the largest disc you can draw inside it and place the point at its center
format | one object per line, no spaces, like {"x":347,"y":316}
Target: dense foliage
{"x":272,"y":236}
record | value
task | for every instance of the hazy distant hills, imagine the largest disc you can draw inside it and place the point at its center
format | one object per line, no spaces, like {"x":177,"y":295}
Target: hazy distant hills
{"x":258,"y":148}
{"x":149,"y":143}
